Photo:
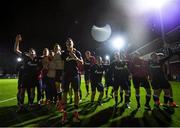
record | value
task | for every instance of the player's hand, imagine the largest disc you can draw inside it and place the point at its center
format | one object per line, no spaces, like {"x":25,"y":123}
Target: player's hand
{"x":18,"y":38}
{"x":73,"y":55}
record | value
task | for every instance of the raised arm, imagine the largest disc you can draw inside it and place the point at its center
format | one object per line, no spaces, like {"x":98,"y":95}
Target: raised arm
{"x":16,"y":45}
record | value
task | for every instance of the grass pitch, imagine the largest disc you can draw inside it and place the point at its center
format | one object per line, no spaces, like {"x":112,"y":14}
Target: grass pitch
{"x":97,"y":116}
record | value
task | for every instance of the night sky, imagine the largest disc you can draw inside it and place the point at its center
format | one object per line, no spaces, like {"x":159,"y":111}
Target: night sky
{"x":43,"y":23}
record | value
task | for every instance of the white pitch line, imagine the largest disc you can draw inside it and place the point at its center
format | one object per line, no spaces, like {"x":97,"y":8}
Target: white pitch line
{"x":13,"y":98}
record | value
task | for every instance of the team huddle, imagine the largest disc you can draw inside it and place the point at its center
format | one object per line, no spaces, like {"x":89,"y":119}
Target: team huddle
{"x":57,"y":71}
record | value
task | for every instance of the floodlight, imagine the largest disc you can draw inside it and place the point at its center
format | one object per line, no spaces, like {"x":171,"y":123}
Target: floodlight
{"x":19,"y":59}
{"x":150,"y":4}
{"x":107,"y":57}
{"x":118,"y":43}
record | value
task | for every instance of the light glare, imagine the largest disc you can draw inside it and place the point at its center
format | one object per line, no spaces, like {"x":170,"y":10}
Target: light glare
{"x":150,"y":4}
{"x":107,"y":57}
{"x":118,"y":43}
{"x":19,"y":59}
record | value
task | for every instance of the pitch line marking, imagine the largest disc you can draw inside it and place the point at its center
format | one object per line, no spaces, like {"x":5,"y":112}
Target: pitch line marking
{"x":13,"y":98}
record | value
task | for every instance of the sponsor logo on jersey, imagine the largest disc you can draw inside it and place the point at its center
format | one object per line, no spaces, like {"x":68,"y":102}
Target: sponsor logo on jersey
{"x":138,"y":66}
{"x":155,"y":66}
{"x":98,"y":72}
{"x":119,"y":68}
{"x":70,"y":58}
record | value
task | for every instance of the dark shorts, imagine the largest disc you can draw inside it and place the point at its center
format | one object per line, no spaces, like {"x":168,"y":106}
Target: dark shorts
{"x":73,"y":80}
{"x":29,"y":81}
{"x":124,"y":84}
{"x":160,"y":84}
{"x":87,"y":76}
{"x":108,"y":81}
{"x":58,"y":76}
{"x":19,"y":82}
{"x":95,"y":85}
{"x":79,"y":81}
{"x":44,"y":82}
{"x":140,"y":82}
{"x":50,"y":88}
{"x":129,"y":83}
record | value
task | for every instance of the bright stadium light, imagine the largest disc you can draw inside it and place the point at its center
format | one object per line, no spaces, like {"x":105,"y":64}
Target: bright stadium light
{"x":107,"y":57}
{"x":118,"y":43}
{"x":158,"y":3}
{"x":19,"y":59}
{"x":151,"y":4}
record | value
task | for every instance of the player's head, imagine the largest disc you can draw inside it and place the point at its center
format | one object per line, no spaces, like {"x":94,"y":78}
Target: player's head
{"x":122,"y":55}
{"x":99,"y":60}
{"x":69,"y":44}
{"x":136,"y":55}
{"x":154,"y":56}
{"x":46,"y":52}
{"x":107,"y":61}
{"x":32,"y":52}
{"x":87,"y":54}
{"x":51,"y":54}
{"x":116,"y":55}
{"x":57,"y":48}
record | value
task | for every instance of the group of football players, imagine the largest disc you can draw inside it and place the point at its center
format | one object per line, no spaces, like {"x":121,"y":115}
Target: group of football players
{"x":56,"y":71}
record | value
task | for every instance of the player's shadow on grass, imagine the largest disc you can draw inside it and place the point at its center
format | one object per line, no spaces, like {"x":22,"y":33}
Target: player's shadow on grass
{"x":154,"y":118}
{"x":9,"y":116}
{"x":106,"y":100}
{"x":88,"y":108}
{"x":98,"y":119}
{"x":83,"y":105}
{"x":118,"y":111}
{"x":44,"y":117}
{"x":163,"y":116}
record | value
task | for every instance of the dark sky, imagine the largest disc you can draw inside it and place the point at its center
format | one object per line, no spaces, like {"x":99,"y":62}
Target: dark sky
{"x":42,"y":23}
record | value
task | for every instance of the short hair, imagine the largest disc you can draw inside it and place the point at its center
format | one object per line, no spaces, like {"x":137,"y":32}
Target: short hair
{"x":153,"y":54}
{"x":69,"y":38}
{"x":32,"y":49}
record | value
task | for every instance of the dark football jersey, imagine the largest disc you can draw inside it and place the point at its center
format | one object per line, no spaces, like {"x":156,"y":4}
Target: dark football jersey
{"x":97,"y":73}
{"x":70,"y":64}
{"x":119,"y":70}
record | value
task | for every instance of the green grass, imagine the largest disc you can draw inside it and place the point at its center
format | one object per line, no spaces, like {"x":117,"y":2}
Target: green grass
{"x":90,"y":116}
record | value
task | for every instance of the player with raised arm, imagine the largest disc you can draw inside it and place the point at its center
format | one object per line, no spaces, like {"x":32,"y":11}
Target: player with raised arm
{"x":30,"y":71}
